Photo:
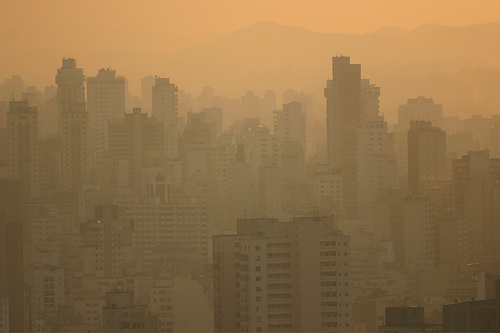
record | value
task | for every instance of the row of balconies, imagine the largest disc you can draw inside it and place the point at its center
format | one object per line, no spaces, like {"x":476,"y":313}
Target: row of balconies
{"x":280,"y":295}
{"x":272,"y":276}
{"x":278,"y":266}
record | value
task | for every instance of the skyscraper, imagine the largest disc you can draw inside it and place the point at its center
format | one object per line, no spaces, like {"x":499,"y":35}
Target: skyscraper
{"x":290,"y":124}
{"x":134,"y":142}
{"x":344,"y":110}
{"x":250,"y":107}
{"x":105,"y":101}
{"x":419,"y":108}
{"x":22,"y":129}
{"x":165,"y":109}
{"x":147,"y":84}
{"x":268,"y":106}
{"x":12,"y":89}
{"x":426,"y":155}
{"x":376,"y":169}
{"x":73,"y":123}
{"x":370,"y":94}
{"x":476,"y":198}
{"x":416,"y":109}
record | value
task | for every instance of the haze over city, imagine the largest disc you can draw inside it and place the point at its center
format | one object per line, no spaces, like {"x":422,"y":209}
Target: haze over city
{"x":235,"y":166}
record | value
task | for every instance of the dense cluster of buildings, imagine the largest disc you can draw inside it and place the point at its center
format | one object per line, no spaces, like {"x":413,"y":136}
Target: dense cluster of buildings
{"x":170,"y":213}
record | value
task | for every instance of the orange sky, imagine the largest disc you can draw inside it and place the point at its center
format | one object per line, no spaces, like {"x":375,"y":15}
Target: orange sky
{"x":75,"y":28}
{"x":195,"y":18}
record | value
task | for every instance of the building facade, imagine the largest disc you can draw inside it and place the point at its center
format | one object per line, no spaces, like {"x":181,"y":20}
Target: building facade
{"x":344,"y":111}
{"x":291,"y":276}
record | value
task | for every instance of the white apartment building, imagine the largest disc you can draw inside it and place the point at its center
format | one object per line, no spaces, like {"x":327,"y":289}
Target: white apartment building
{"x":286,"y":276}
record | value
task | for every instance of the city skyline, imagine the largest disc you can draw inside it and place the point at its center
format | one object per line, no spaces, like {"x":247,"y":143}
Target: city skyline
{"x":456,"y":34}
{"x":228,"y":166}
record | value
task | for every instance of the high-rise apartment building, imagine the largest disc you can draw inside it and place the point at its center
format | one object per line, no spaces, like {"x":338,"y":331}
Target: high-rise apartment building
{"x":243,"y":188}
{"x":420,"y":108}
{"x":426,"y":155}
{"x":147,"y":84}
{"x":171,"y":237}
{"x":376,"y":169}
{"x":290,"y":124}
{"x":48,"y":292}
{"x":73,"y":125}
{"x":344,"y":111}
{"x":409,"y":222}
{"x":261,"y":147}
{"x":214,"y":117}
{"x":22,"y":128}
{"x":107,"y":243}
{"x":196,"y":146}
{"x":33,"y":96}
{"x":206,"y":99}
{"x":287,"y":276}
{"x":416,"y":109}
{"x":12,"y":255}
{"x":250,"y":105}
{"x":289,"y":96}
{"x":476,"y":198}
{"x":105,"y":101}
{"x":271,"y":191}
{"x":370,"y":94}
{"x":292,"y":162}
{"x":12,"y":89}
{"x":327,"y":189}
{"x":165,"y":103}
{"x":134,"y":143}
{"x":268,"y":106}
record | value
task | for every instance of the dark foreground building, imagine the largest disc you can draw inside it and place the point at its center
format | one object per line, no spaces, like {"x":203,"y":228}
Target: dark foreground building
{"x":406,"y":319}
{"x":475,"y":316}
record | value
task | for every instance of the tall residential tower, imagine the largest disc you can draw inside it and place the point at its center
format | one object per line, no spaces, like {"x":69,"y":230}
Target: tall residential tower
{"x":165,"y":109}
{"x":105,"y":101}
{"x":73,"y":123}
{"x":344,"y":111}
{"x":22,"y":128}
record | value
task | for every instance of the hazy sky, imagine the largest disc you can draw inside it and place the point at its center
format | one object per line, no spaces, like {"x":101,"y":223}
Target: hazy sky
{"x":38,"y":33}
{"x":195,"y":18}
